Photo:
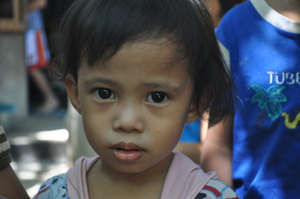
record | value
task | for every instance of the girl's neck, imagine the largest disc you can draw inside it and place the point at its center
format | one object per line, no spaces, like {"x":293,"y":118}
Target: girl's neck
{"x":288,"y":8}
{"x":102,"y":179}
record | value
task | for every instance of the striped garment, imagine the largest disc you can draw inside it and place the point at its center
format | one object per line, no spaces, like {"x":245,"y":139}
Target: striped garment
{"x":5,"y":158}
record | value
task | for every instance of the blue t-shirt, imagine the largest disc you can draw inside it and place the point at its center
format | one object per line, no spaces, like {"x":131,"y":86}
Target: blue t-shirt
{"x":264,"y":51}
{"x":191,"y":132}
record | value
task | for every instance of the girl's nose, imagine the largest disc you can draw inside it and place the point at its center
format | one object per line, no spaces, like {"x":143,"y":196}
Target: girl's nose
{"x":128,"y":120}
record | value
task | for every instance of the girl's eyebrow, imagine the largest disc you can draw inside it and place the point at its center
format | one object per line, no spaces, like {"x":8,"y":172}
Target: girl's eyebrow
{"x":164,"y":85}
{"x":100,"y":80}
{"x":152,"y":85}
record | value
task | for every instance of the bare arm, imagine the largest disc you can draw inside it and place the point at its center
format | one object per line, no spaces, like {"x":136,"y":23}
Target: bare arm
{"x":204,"y":126}
{"x":193,"y":149}
{"x":10,"y":186}
{"x":216,"y":150}
{"x":38,"y":4}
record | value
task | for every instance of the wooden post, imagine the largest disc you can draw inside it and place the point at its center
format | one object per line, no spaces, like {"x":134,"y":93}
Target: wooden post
{"x":13,"y":72}
{"x":16,"y":23}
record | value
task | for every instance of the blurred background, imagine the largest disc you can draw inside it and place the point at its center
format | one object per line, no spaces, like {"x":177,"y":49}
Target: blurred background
{"x":36,"y":129}
{"x":34,"y":109}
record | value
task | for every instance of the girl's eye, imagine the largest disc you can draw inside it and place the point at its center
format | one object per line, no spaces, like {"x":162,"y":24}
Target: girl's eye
{"x":157,"y":97}
{"x":104,"y":94}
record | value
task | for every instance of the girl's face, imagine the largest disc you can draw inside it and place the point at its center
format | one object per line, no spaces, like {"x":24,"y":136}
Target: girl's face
{"x":134,"y":106}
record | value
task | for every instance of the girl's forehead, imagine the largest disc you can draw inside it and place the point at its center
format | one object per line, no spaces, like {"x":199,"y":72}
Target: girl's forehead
{"x":163,"y":51}
{"x":153,"y":56}
{"x":160,"y":48}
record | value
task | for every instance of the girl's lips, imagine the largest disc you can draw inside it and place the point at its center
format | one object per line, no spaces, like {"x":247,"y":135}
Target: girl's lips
{"x":127,"y":155}
{"x":127,"y":151}
{"x":127,"y":146}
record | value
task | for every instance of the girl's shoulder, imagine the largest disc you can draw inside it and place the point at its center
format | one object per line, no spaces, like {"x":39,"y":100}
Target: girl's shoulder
{"x":216,"y":189}
{"x":54,"y":188}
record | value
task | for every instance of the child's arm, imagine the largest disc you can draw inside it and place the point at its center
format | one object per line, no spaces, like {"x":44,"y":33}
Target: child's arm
{"x":204,"y":126}
{"x":37,"y":4}
{"x":216,"y":150}
{"x":10,"y":186}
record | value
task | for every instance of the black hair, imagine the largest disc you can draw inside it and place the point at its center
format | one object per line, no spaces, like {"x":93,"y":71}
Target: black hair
{"x":95,"y":30}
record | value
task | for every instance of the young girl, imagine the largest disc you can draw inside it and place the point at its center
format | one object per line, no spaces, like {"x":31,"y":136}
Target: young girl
{"x":137,"y":71}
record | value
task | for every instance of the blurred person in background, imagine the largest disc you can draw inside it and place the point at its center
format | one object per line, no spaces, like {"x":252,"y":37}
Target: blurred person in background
{"x":38,"y":55}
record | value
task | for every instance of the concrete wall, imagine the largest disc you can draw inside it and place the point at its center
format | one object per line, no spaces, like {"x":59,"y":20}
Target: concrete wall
{"x":13,"y":74}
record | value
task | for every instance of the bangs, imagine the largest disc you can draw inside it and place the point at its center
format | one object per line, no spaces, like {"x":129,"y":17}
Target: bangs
{"x":99,"y":28}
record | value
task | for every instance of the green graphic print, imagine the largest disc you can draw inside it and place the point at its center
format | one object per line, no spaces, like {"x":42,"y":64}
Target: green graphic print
{"x":269,"y":100}
{"x":291,"y":124}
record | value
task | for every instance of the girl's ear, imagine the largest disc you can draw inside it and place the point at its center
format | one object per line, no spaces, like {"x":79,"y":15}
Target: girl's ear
{"x":72,"y":91}
{"x":193,"y":113}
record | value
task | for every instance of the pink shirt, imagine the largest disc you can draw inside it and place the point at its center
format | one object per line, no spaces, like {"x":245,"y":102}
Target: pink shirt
{"x":185,"y":179}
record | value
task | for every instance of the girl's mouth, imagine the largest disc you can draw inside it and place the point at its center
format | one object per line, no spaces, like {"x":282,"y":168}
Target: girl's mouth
{"x":127,"y":151}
